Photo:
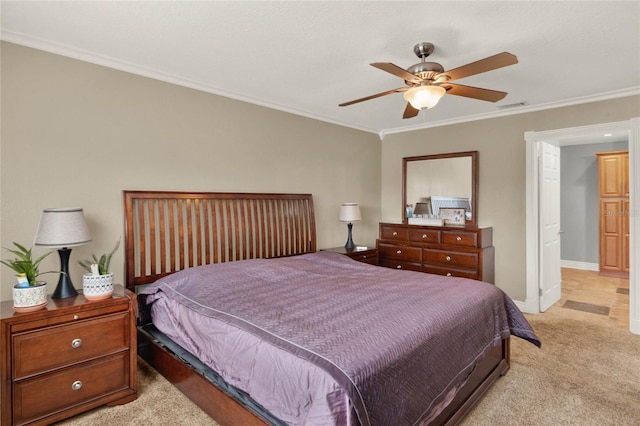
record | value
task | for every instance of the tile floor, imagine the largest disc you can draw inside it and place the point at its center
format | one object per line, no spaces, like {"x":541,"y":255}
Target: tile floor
{"x":589,"y":296}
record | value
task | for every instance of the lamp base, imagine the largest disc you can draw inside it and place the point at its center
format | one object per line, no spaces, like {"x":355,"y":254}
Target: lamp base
{"x":65,"y":287}
{"x":350,"y":245}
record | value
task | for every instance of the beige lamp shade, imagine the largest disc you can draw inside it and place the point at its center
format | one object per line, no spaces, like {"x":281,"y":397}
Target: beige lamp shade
{"x":64,"y":227}
{"x":350,"y":212}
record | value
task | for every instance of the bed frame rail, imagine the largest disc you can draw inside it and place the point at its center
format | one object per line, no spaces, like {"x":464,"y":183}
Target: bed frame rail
{"x":167,"y":232}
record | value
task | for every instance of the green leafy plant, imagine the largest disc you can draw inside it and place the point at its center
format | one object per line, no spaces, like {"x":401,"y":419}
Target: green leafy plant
{"x":24,"y":263}
{"x":103,"y":261}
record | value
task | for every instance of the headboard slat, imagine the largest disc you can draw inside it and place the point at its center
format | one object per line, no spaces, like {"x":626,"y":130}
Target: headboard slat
{"x":168,"y":231}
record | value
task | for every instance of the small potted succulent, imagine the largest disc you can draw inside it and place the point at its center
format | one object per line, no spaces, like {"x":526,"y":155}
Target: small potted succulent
{"x":29,"y":294}
{"x":97,"y":284}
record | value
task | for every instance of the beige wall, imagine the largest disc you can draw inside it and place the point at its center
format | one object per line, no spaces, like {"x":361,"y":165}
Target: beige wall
{"x":77,"y":134}
{"x":502,"y":169}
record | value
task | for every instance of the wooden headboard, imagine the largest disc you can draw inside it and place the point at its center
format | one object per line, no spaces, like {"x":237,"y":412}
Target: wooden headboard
{"x":165,"y":232}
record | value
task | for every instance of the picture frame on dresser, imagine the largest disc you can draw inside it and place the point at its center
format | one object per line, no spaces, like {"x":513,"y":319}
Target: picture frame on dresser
{"x":453,"y":216}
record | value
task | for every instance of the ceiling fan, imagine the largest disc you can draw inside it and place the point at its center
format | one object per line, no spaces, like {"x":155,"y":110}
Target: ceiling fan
{"x":427,"y":82}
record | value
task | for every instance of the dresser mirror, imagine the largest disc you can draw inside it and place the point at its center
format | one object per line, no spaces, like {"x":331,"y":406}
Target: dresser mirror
{"x":447,"y":181}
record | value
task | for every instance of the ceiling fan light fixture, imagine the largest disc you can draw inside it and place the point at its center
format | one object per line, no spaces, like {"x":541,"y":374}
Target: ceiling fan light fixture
{"x":424,"y":96}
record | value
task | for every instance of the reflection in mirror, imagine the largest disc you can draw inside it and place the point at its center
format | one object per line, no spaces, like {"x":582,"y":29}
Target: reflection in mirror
{"x":432,"y":182}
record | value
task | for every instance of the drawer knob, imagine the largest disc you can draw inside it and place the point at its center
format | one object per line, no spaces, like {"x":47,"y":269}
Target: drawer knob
{"x":364,"y":256}
{"x":448,"y":274}
{"x":76,"y":343}
{"x":77,"y":385}
{"x":399,"y":267}
{"x":448,"y":258}
{"x":75,"y":317}
{"x":424,"y":236}
{"x":458,"y":238}
{"x":399,"y":252}
{"x":395,"y":233}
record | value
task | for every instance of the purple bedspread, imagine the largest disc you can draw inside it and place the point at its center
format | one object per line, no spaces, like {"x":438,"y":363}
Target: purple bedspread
{"x":388,"y":347}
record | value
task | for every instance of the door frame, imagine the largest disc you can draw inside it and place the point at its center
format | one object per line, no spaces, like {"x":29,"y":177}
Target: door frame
{"x":564,"y":137}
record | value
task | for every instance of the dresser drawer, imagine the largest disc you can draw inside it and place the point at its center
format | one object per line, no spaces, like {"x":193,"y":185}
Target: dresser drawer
{"x":451,"y":259}
{"x":430,"y":236}
{"x":49,"y":393}
{"x":54,"y":347}
{"x":399,"y":264}
{"x":460,"y":238}
{"x":408,"y":254}
{"x":390,"y":232}
{"x":451,"y":272}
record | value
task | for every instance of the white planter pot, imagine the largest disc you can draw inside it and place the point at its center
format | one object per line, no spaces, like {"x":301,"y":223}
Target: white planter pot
{"x":32,"y":298}
{"x":97,"y":287}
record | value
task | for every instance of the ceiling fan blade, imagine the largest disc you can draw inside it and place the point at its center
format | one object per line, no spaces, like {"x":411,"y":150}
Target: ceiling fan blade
{"x":474,"y":92}
{"x":483,"y":65}
{"x":397,"y":71}
{"x":377,"y":95}
{"x":410,"y":111}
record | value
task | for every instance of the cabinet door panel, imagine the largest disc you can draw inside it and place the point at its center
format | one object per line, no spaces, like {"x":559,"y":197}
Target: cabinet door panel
{"x":610,"y":175}
{"x":610,"y":258}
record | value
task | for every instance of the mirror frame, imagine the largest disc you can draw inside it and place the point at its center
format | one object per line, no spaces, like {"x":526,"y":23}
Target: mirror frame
{"x":474,"y":180}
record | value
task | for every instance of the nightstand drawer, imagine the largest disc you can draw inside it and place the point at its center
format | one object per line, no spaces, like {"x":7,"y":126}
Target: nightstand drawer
{"x":48,"y":393}
{"x":408,"y":254}
{"x":54,"y":347}
{"x":451,"y":259}
{"x":371,"y":257}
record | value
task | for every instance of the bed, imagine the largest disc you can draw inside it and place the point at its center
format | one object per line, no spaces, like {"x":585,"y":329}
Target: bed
{"x":217,"y":276}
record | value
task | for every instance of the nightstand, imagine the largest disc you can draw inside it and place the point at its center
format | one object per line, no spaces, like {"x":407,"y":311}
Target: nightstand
{"x":366,"y":254}
{"x":70,"y":357}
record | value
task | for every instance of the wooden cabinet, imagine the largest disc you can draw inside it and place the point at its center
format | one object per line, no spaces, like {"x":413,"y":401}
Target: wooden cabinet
{"x":368,"y":255}
{"x":70,"y":357}
{"x":462,"y":252}
{"x":613,"y":190}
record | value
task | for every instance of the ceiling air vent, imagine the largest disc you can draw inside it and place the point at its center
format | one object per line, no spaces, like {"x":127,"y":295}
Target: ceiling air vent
{"x":517,"y":104}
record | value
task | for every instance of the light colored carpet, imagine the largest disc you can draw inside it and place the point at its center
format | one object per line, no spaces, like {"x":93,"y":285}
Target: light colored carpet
{"x":584,"y":374}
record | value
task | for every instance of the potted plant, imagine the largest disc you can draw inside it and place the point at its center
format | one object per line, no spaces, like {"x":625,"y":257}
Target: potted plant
{"x":29,"y":294}
{"x":97,"y":284}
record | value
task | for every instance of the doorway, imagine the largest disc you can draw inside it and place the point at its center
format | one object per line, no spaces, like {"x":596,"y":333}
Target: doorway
{"x":534,"y":192}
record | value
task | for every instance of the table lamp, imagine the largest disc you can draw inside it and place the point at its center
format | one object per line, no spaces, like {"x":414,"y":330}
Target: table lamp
{"x":63,"y":228}
{"x":350,"y":212}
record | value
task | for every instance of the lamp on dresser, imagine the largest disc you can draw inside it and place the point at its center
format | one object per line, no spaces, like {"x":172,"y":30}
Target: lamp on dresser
{"x":63,"y":228}
{"x":350,"y":212}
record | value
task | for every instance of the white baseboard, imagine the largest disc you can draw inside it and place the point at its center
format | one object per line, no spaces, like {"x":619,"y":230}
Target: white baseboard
{"x":521,"y":305}
{"x":585,"y":266}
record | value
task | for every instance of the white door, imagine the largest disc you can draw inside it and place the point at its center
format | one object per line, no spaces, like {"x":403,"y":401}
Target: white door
{"x":550,"y":275}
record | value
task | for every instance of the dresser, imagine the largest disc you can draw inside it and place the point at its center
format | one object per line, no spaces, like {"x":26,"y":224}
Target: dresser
{"x":444,"y":250}
{"x":70,"y":357}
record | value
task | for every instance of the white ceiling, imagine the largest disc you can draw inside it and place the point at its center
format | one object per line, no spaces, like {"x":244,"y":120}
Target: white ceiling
{"x":307,"y":57}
